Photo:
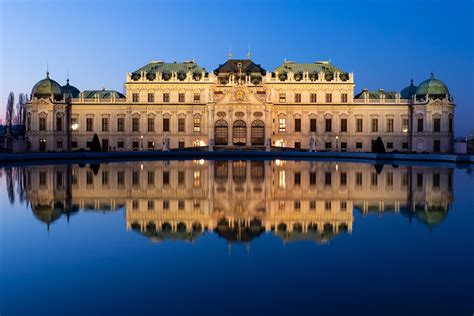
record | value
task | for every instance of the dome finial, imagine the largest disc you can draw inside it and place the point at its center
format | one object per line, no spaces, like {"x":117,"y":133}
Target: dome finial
{"x":432,"y":75}
{"x":411,"y":81}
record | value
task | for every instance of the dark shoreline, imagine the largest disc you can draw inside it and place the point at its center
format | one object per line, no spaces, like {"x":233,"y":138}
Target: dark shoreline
{"x":51,"y":158}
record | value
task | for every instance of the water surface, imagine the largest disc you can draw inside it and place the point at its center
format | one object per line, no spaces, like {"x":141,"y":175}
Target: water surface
{"x":236,"y":238}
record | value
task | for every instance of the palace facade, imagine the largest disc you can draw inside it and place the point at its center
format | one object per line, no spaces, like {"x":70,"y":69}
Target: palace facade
{"x":310,"y":106}
{"x":239,"y":200}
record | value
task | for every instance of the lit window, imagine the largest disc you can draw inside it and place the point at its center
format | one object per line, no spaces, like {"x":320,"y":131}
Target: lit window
{"x":282,"y":124}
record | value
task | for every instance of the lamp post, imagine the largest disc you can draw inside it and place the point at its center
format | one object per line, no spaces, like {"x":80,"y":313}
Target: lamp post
{"x":337,"y":143}
{"x":74,"y":128}
{"x":141,"y":140}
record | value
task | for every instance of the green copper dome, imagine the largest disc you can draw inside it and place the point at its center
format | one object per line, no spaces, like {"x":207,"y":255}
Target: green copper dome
{"x":408,"y":92}
{"x":433,"y":88}
{"x":70,"y":91}
{"x":47,"y":88}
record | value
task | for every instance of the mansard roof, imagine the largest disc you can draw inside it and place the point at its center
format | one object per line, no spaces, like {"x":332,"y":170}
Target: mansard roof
{"x":102,"y":94}
{"x":317,"y":67}
{"x":375,"y":94}
{"x":237,"y":65}
{"x":162,"y":67}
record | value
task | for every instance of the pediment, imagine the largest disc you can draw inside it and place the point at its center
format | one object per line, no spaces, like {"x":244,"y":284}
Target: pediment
{"x":239,"y":95}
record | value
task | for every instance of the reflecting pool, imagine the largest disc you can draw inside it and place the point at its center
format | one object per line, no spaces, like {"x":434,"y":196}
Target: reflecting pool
{"x":236,"y":238}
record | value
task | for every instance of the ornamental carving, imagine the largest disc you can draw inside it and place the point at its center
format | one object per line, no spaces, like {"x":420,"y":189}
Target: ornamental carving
{"x":221,"y":114}
{"x":239,"y":95}
{"x":239,"y":114}
{"x":258,"y":114}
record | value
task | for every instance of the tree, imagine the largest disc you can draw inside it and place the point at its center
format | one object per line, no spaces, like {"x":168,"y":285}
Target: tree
{"x":10,"y":112}
{"x":21,"y":113}
{"x":379,"y":147}
{"x":95,"y":145}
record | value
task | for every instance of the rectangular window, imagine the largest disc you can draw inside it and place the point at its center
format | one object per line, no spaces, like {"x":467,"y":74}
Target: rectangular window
{"x":419,"y":125}
{"x":42,"y":123}
{"x":74,"y":144}
{"x":405,"y":145}
{"x":166,"y":97}
{"x":343,"y":146}
{"x":312,"y":205}
{"x":105,"y":124}
{"x":389,"y":179}
{"x":359,"y":125}
{"x":343,"y":179}
{"x":344,"y":98}
{"x":151,"y":205}
{"x":181,"y":204}
{"x":120,"y":144}
{"x":59,"y":124}
{"x":328,"y":97}
{"x":181,"y":144}
{"x":135,"y":124}
{"x":327,"y":205}
{"x":297,"y":125}
{"x":297,"y":97}
{"x":359,"y":179}
{"x":181,"y":124}
{"x":436,"y":181}
{"x":359,"y":145}
{"x":166,"y":177}
{"x":313,"y":97}
{"x":197,"y":97}
{"x":282,"y":98}
{"x":135,"y":145}
{"x":312,"y":178}
{"x":297,"y":178}
{"x":197,"y":178}
{"x":297,"y":205}
{"x":59,"y":144}
{"x":374,"y":180}
{"x":89,"y":178}
{"x":197,"y":124}
{"x":437,"y":125}
{"x":282,"y":124}
{"x":151,"y":97}
{"x":121,"y":178}
{"x":375,"y":125}
{"x":135,"y":178}
{"x":105,"y":178}
{"x":419,"y":180}
{"x":151,"y":124}
{"x":120,"y":124}
{"x":450,"y":123}
{"x":28,"y":123}
{"x":312,"y":125}
{"x":105,"y":144}
{"x":343,"y":206}
{"x":135,"y":97}
{"x":390,"y":125}
{"x":166,"y":204}
{"x":327,"y":178}
{"x":343,"y":125}
{"x":297,"y":144}
{"x":437,"y":146}
{"x":181,"y":97}
{"x":151,"y":145}
{"x":166,"y":124}
{"x":328,"y":145}
{"x":389,"y":145}
{"x":181,"y":177}
{"x":328,"y":125}
{"x":151,"y":178}
{"x":89,"y":124}
{"x":405,"y":125}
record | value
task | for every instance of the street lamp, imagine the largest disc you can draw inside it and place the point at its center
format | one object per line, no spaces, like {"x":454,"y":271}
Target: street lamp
{"x":74,"y":126}
{"x":141,"y":139}
{"x":337,"y":143}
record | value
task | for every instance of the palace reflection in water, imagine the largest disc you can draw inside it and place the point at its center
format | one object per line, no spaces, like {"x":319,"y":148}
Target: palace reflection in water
{"x":239,"y":200}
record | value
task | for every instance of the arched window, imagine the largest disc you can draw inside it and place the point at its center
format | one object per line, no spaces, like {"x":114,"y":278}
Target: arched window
{"x":258,"y":132}
{"x":221,"y":132}
{"x":239,"y":133}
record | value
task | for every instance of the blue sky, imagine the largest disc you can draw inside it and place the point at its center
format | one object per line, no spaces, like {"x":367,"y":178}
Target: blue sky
{"x":385,"y":43}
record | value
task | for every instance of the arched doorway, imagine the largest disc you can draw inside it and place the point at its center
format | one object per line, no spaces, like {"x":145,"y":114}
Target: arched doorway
{"x":239,"y":133}
{"x":221,"y":132}
{"x":258,"y":133}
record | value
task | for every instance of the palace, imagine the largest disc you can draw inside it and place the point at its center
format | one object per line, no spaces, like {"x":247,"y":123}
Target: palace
{"x":239,"y":200}
{"x":307,"y":106}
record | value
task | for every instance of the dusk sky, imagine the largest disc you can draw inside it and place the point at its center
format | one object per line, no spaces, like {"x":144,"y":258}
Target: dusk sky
{"x":385,"y":43}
